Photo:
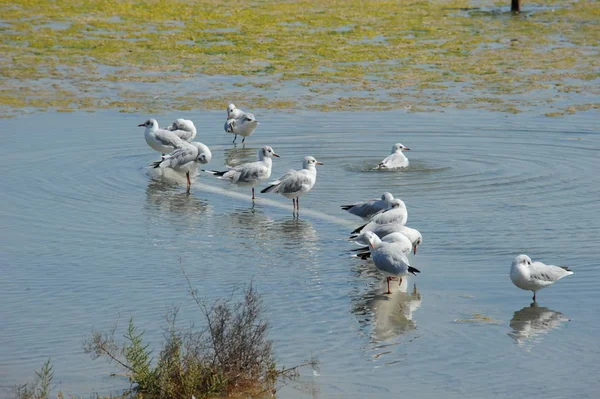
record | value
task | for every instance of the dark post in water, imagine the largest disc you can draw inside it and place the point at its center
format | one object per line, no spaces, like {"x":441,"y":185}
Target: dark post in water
{"x":515,"y":5}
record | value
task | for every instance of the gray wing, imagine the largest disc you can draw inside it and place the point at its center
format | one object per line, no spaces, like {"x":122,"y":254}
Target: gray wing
{"x":547,"y":274}
{"x":390,"y":259}
{"x":251,"y":172}
{"x":168,"y":138}
{"x":181,"y":156}
{"x":294,"y":183}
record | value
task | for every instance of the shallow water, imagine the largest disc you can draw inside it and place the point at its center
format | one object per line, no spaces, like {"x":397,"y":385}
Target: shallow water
{"x":90,"y":237}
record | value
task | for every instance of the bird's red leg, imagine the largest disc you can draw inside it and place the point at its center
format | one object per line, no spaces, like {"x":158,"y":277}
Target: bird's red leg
{"x":189,"y":183}
{"x":399,"y":281}
{"x":388,"y":283}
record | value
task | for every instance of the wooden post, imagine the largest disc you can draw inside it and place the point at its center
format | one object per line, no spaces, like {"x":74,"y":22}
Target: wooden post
{"x":515,"y":6}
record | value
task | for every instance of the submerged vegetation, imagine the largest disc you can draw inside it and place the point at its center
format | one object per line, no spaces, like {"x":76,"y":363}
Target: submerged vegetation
{"x":161,"y":55}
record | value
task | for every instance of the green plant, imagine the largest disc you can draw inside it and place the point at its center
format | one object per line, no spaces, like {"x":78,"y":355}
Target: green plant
{"x":40,"y":387}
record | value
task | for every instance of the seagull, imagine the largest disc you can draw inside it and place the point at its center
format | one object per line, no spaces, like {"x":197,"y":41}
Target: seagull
{"x":389,"y":259}
{"x":533,"y":276}
{"x":296,"y":183}
{"x":233,"y":112}
{"x":161,"y":140}
{"x":250,"y":173}
{"x":384,"y":230}
{"x":396,"y":159}
{"x":184,"y":129}
{"x":367,"y":209}
{"x":398,"y":238}
{"x":186,"y":158}
{"x":397,"y":213}
{"x":240,"y":122}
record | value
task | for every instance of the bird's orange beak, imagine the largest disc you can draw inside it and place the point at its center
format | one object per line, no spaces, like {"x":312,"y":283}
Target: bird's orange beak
{"x":275,"y":155}
{"x":319,"y":163}
{"x":372,"y":245}
{"x":414,"y":249}
{"x":143,"y":124}
{"x":406,"y":149}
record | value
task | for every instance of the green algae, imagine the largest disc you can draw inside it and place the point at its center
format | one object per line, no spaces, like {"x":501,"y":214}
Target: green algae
{"x":298,"y":54}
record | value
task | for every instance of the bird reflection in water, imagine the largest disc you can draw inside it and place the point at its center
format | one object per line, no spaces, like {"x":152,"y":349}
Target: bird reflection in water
{"x":391,"y":315}
{"x":236,"y":156}
{"x":164,"y":196}
{"x":533,"y":320}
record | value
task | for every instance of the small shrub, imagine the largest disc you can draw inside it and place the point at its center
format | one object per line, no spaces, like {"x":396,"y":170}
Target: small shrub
{"x":40,"y":387}
{"x":231,"y":355}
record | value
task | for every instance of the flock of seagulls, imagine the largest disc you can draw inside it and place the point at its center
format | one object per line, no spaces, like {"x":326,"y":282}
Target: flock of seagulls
{"x":384,"y":237}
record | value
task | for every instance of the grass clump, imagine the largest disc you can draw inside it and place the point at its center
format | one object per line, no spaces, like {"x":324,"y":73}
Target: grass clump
{"x":230,"y":356}
{"x":39,"y":388}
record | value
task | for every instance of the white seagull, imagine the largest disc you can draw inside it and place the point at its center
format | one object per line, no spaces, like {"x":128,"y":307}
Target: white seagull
{"x":296,"y":183}
{"x":233,"y":112}
{"x":367,"y":209}
{"x":186,"y":159}
{"x":250,"y":173}
{"x":389,"y":259}
{"x":533,"y":276}
{"x":184,"y":129}
{"x":398,"y":238}
{"x":161,"y":140}
{"x":397,"y":213}
{"x":240,"y":122}
{"x":396,"y":159}
{"x":384,"y":230}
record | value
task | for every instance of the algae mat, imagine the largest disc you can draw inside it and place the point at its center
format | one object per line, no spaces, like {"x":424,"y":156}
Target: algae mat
{"x":157,"y":56}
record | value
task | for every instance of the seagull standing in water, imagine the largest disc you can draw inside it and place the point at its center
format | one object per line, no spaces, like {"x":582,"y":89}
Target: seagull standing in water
{"x":396,"y":159}
{"x":161,"y":140}
{"x":384,"y":230}
{"x":533,"y":276}
{"x":367,"y":209}
{"x":397,"y":238}
{"x":184,"y":129}
{"x":397,"y":213}
{"x":296,"y":183}
{"x":389,"y":259}
{"x":251,"y":173}
{"x":186,"y":159}
{"x":240,"y":122}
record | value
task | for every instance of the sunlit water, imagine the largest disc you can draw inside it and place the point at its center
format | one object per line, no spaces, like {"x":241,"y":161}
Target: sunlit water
{"x":89,"y":237}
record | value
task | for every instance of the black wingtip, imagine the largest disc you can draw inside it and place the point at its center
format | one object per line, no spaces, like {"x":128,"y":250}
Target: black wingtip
{"x":566,"y":268}
{"x":361,"y":249}
{"x":413,"y":270}
{"x":358,"y":229}
{"x":264,"y":190}
{"x":364,"y":256}
{"x":156,"y":164}
{"x":346,"y":207}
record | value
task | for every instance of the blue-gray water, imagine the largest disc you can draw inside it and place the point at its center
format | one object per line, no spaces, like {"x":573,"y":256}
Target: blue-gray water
{"x":88,"y":238}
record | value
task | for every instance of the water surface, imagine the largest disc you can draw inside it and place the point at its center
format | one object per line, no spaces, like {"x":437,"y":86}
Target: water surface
{"x":90,"y":237}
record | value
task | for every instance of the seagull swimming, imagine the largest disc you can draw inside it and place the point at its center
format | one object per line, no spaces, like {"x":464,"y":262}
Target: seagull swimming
{"x":250,"y":173}
{"x":384,"y":230}
{"x":389,"y":259}
{"x":161,"y":140}
{"x":240,"y":122}
{"x":184,"y":129}
{"x":533,"y":276}
{"x":296,"y":183}
{"x":367,"y":209}
{"x":396,"y":159}
{"x":397,"y":213}
{"x":186,"y":159}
